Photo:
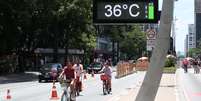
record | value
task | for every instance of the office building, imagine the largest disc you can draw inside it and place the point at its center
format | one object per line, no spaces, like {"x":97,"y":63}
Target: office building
{"x":186,"y":46}
{"x":198,"y":20}
{"x":191,"y":36}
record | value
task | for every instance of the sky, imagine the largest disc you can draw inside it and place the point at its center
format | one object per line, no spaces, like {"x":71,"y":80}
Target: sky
{"x":184,"y":13}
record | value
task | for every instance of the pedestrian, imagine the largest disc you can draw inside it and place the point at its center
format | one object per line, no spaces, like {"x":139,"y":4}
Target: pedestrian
{"x":185,"y":63}
{"x":195,"y":67}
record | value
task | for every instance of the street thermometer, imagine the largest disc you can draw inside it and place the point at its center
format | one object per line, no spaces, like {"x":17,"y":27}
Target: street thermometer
{"x":125,"y":11}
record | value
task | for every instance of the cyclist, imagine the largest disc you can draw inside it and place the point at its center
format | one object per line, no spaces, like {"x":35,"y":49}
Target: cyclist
{"x":78,"y":70}
{"x":185,"y":63}
{"x":107,"y":70}
{"x":68,"y":74}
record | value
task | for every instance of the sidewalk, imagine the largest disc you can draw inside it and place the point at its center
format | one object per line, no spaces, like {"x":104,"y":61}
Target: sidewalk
{"x":166,"y":91}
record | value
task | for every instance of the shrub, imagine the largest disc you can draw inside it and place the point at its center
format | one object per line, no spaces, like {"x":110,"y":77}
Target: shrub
{"x":170,"y":62}
{"x":169,"y":70}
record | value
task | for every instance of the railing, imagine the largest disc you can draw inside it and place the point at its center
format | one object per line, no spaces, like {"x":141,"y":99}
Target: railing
{"x":125,"y":68}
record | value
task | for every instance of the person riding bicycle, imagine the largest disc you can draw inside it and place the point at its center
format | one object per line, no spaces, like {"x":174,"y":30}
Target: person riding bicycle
{"x":78,"y":67}
{"x":185,"y":63}
{"x":68,"y":75}
{"x":107,"y":70}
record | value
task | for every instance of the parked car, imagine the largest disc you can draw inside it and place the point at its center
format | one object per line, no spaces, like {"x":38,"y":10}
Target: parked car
{"x":50,"y":71}
{"x":96,"y":67}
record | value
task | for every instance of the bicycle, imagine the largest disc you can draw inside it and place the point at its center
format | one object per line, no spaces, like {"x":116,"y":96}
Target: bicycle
{"x":106,"y":89}
{"x":78,"y":85}
{"x":67,"y":92}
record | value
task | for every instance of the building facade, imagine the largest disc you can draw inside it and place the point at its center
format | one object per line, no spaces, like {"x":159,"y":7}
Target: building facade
{"x":190,"y":41}
{"x":191,"y":36}
{"x":103,"y":49}
{"x":186,"y":46}
{"x":197,"y":20}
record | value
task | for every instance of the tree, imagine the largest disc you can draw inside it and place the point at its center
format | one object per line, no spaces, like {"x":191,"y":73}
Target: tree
{"x":134,"y":43}
{"x":193,"y":52}
{"x":27,"y":25}
{"x":131,"y":40}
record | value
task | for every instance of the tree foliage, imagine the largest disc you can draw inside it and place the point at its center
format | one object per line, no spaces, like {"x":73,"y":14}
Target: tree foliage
{"x":44,"y":23}
{"x":193,"y":52}
{"x":29,"y":24}
{"x":131,"y":40}
{"x":133,"y":43}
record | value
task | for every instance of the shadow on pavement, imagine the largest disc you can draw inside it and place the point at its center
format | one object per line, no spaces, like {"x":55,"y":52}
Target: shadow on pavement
{"x":19,"y":77}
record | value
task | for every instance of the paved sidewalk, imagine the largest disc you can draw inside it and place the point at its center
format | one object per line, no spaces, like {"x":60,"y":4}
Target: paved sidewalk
{"x":166,"y":91}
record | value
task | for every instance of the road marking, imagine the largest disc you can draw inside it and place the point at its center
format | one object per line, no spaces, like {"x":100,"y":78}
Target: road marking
{"x":197,"y":94}
{"x":114,"y":98}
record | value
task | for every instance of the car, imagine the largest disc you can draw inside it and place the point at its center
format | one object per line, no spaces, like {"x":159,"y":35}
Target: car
{"x":49,"y":72}
{"x":96,"y":67}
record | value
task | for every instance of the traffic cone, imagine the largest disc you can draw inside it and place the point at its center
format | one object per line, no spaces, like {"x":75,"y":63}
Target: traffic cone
{"x":54,"y":95}
{"x":8,"y":96}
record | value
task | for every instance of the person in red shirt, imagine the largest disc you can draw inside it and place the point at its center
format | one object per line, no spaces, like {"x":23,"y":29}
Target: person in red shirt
{"x":68,"y":75}
{"x":185,"y":63}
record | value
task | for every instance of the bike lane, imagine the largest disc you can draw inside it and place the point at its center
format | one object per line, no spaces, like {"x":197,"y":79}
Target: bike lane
{"x":190,"y":84}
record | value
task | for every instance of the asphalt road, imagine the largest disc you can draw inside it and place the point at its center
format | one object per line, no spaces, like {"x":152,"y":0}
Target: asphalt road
{"x":34,"y":91}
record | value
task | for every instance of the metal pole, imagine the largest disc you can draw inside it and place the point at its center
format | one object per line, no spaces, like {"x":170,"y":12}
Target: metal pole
{"x":153,"y":76}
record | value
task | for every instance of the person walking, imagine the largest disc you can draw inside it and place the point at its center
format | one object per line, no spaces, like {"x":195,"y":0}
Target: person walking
{"x":195,"y":67}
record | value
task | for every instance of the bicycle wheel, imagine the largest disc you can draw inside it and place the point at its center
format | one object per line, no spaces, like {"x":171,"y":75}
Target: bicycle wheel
{"x":64,"y":97}
{"x":77,"y":92}
{"x":108,"y":87}
{"x":104,"y":88}
{"x":72,"y":96}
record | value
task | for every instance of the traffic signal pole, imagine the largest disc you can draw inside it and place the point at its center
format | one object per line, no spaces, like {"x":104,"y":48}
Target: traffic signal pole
{"x":154,"y":73}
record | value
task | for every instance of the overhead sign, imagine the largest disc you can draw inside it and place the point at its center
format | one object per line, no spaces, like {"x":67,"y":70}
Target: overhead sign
{"x":125,"y":11}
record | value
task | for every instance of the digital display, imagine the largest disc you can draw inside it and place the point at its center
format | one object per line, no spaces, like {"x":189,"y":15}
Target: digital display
{"x":125,"y":11}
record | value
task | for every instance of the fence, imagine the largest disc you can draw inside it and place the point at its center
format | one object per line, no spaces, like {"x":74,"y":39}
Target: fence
{"x":125,"y":68}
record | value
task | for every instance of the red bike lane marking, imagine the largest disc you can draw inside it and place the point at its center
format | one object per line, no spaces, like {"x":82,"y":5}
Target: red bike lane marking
{"x":197,"y":94}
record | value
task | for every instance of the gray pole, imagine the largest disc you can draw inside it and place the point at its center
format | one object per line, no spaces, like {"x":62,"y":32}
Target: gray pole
{"x":153,"y":76}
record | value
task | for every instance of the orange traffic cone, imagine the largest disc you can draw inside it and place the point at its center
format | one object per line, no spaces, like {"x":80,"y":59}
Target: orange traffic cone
{"x":8,"y":96}
{"x":54,"y":95}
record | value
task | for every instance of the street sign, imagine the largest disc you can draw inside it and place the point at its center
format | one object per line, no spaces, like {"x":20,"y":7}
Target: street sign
{"x":150,"y":45}
{"x":151,"y":34}
{"x":151,"y":37}
{"x":125,"y":11}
